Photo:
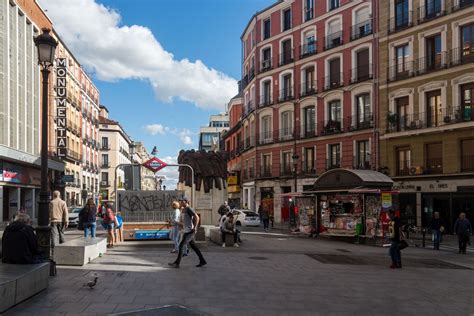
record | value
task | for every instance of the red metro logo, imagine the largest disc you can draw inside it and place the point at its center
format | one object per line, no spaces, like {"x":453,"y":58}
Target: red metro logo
{"x":155,"y":164}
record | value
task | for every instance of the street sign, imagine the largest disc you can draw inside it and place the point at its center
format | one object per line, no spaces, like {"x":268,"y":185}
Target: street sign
{"x":68,"y":178}
{"x":154,"y":164}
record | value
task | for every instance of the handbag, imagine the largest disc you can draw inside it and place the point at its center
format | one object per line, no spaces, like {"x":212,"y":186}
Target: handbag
{"x":403,"y":244}
{"x":80,"y":225}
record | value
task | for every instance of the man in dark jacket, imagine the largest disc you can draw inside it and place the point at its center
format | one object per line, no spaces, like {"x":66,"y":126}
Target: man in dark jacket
{"x":19,"y":243}
{"x":463,"y":229}
{"x":394,"y":231}
{"x":437,"y":228}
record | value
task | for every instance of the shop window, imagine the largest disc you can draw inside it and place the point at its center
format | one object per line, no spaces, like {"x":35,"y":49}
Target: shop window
{"x":403,"y":161}
{"x":341,"y":212}
{"x":467,"y":155}
{"x":434,"y":158}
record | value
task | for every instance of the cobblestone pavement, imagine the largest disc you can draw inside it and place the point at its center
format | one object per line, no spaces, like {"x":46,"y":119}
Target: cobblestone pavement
{"x":268,"y":275}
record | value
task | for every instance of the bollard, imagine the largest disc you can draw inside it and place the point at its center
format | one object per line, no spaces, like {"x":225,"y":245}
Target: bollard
{"x":423,"y":232}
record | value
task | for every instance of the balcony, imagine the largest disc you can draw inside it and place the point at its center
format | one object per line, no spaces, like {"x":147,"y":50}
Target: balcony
{"x":308,"y":131}
{"x":361,"y":29}
{"x":462,"y":55}
{"x":434,"y":166}
{"x":429,"y":12}
{"x":361,"y":164}
{"x":333,"y":164}
{"x":432,"y":63}
{"x":266,"y":172}
{"x":332,"y":127}
{"x":251,"y":173}
{"x":73,"y":155}
{"x":105,"y":165}
{"x":462,"y":4}
{"x":467,"y":163}
{"x":401,"y":22}
{"x":309,"y":170}
{"x":248,"y":108}
{"x":308,"y":88}
{"x":286,"y":171}
{"x":286,"y":94}
{"x":249,"y":142}
{"x":104,"y":183}
{"x":360,"y":122}
{"x":402,"y":70}
{"x":333,"y":81}
{"x":286,"y":58}
{"x":333,"y":40}
{"x":266,"y":137}
{"x":362,"y":73}
{"x":285,"y":134}
{"x":265,"y":100}
{"x":105,"y":147}
{"x":266,"y":65}
{"x":251,"y":74}
{"x":403,"y":168}
{"x":308,"y":49}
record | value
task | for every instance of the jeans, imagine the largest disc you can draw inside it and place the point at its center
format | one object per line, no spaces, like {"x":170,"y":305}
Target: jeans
{"x":463,"y":239}
{"x":436,"y":239}
{"x":175,"y":236}
{"x":223,"y":233}
{"x":92,"y":227}
{"x":188,"y":238}
{"x":395,"y":253}
{"x":265,"y":223}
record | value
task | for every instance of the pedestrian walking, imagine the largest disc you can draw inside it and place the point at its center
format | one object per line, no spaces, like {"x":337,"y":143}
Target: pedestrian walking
{"x":88,"y":217}
{"x":463,"y":229}
{"x":190,"y":224}
{"x":260,"y":212}
{"x":265,"y":218}
{"x":175,"y":231}
{"x":394,"y":232}
{"x":108,"y":222}
{"x":228,"y":228}
{"x":58,"y":218}
{"x":437,"y":229}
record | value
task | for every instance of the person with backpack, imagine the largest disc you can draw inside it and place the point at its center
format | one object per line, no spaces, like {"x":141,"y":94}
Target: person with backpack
{"x":108,"y":222}
{"x":87,"y":218}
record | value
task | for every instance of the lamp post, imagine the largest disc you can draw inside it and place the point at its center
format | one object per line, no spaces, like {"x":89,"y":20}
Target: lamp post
{"x":295,"y":158}
{"x":46,"y":46}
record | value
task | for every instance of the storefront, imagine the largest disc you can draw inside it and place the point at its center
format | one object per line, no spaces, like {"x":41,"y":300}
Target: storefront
{"x":349,"y":202}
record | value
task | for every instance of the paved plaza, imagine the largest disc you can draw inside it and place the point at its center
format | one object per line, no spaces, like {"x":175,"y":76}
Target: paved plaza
{"x":271,"y":274}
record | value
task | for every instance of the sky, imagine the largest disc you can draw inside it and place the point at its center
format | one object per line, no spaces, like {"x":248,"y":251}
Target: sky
{"x":162,"y":66}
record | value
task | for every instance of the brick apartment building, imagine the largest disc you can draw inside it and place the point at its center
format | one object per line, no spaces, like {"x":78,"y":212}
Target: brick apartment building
{"x":308,"y":95}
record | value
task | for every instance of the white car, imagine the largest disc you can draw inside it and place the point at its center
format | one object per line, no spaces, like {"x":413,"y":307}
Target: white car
{"x":246,"y":218}
{"x":73,"y":215}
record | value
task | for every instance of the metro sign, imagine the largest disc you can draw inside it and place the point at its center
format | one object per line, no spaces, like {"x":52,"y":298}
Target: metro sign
{"x":154,"y":164}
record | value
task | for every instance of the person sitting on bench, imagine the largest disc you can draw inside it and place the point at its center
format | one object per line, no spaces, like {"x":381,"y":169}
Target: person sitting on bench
{"x":228,"y":228}
{"x":19,"y":243}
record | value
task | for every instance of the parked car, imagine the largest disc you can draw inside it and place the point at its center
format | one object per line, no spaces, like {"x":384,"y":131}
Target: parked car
{"x":73,"y":215}
{"x":246,"y":218}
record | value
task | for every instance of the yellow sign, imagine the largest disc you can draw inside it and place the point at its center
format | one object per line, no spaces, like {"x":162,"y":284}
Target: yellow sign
{"x":233,"y":189}
{"x":231,"y":180}
{"x":386,"y":200}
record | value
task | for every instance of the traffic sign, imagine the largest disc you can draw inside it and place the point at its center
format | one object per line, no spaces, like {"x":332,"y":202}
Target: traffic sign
{"x":68,"y":178}
{"x":154,"y":164}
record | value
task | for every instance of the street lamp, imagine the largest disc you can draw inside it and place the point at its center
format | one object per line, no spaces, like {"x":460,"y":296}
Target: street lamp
{"x":295,"y":158}
{"x":46,"y":46}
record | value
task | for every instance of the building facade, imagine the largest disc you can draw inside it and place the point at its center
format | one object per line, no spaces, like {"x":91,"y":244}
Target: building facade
{"x":114,"y":150}
{"x":210,"y":136}
{"x":20,"y":109}
{"x":148,"y":180}
{"x":427,"y":106}
{"x":309,"y":96}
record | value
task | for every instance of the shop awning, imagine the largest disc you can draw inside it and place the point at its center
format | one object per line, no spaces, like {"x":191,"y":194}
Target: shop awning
{"x":339,"y":180}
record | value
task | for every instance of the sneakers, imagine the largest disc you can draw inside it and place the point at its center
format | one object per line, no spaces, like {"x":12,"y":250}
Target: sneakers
{"x":173,"y":265}
{"x":201,"y":264}
{"x":223,"y":245}
{"x":236,"y":245}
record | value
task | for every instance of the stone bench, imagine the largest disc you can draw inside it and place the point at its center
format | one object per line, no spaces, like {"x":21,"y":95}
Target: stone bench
{"x":80,"y":251}
{"x":19,"y":282}
{"x":216,"y":237}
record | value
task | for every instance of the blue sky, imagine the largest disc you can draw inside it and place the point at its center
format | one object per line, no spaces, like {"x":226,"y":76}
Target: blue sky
{"x":144,"y":56}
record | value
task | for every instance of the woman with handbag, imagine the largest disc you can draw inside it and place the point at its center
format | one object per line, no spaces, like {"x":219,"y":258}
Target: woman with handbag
{"x":108,"y":222}
{"x":87,"y":218}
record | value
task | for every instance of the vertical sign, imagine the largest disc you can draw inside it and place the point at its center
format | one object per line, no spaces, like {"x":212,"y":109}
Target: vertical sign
{"x":61,"y":64}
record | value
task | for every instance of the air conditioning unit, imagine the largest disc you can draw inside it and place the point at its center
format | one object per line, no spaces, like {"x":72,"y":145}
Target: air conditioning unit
{"x":416,"y":170}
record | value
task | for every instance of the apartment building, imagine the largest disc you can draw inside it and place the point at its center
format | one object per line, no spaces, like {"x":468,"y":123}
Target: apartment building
{"x":427,"y":105}
{"x":114,"y":150}
{"x":210,"y":135}
{"x":148,"y":181}
{"x":308,"y":96}
{"x":20,"y":109}
{"x":82,"y":130}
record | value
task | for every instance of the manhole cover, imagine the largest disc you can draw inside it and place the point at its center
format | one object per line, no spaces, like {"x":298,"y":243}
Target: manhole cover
{"x":167,"y":310}
{"x":258,"y":258}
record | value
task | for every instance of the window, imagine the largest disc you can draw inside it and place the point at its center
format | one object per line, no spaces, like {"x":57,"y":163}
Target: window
{"x":401,"y":58}
{"x":362,"y":71}
{"x":362,"y":160}
{"x":309,"y":121}
{"x":309,"y":160}
{"x":402,"y":112}
{"x":286,"y":55}
{"x":309,"y":84}
{"x":105,"y":160}
{"x":467,"y":102}
{"x":266,"y":29}
{"x":286,"y":163}
{"x":308,"y":10}
{"x":334,"y":4}
{"x":286,"y":124}
{"x":467,"y":42}
{"x":433,"y":53}
{"x":267,"y":127}
{"x":334,"y":34}
{"x":364,"y":111}
{"x":286,"y":19}
{"x":402,"y":14}
{"x":266,"y":58}
{"x":105,"y":142}
{"x":105,"y":177}
{"x":267,"y":165}
{"x":433,"y":108}
{"x":467,"y":155}
{"x":403,"y":161}
{"x":334,"y":79}
{"x":266,"y":97}
{"x":286,"y":93}
{"x":309,"y":44}
{"x":434,"y":158}
{"x":334,"y":156}
{"x":432,"y":9}
{"x":363,"y":24}
{"x":334,"y":111}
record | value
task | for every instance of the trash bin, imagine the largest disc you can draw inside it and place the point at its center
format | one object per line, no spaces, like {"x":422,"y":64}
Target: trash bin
{"x":358,"y":229}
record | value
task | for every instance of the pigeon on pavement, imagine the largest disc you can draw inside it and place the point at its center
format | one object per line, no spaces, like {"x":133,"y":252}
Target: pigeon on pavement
{"x":91,"y":284}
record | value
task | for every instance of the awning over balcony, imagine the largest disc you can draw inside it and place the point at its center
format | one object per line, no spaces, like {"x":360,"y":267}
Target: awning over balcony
{"x":350,"y":180}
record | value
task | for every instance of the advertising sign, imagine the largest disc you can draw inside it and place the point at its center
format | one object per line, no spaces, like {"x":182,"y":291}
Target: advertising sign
{"x":61,"y":95}
{"x":232,"y":180}
{"x":386,"y":200}
{"x":13,"y":173}
{"x":152,"y":234}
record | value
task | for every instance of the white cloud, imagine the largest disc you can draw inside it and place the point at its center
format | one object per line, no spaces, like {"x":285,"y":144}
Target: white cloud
{"x":170,"y":174}
{"x":155,"y":129}
{"x":185,"y":136}
{"x":113,"y":51}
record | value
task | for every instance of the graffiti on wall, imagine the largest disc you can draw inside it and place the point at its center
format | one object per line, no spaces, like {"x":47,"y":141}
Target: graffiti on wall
{"x":147,"y":201}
